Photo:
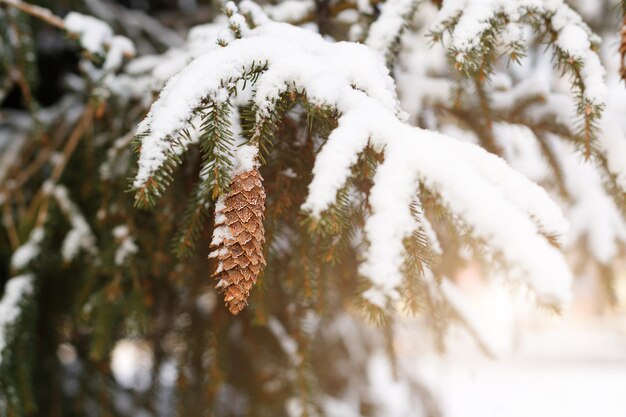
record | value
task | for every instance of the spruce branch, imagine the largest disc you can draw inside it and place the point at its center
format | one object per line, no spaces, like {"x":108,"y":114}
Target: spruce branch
{"x":472,"y":48}
{"x":385,"y":34}
{"x":76,"y":25}
{"x":216,"y":143}
{"x":194,"y":219}
{"x":40,"y":203}
{"x":362,"y":110}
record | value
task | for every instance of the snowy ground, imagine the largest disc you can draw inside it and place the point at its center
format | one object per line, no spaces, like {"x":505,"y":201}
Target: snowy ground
{"x":569,"y":366}
{"x":567,"y":373}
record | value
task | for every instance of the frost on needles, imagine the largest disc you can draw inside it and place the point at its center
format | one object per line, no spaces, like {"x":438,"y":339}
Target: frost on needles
{"x":277,"y":62}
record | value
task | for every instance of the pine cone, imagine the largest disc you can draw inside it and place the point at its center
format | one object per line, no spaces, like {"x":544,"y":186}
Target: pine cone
{"x":238,"y":238}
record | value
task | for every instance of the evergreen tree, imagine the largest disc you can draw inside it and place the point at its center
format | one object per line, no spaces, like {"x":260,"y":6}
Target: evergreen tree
{"x":321,"y":167}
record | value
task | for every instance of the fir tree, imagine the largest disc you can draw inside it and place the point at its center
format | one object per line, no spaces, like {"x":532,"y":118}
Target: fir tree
{"x":320,"y":189}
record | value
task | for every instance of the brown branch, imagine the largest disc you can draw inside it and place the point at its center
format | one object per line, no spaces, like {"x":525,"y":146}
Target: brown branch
{"x":38,"y":12}
{"x":68,"y":150}
{"x":18,"y":73}
{"x":46,"y":16}
{"x":9,"y":224}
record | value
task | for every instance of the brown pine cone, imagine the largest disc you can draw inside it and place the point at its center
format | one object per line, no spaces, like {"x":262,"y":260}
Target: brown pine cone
{"x":238,"y":238}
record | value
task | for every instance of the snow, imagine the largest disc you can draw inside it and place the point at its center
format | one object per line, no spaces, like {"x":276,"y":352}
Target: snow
{"x":390,"y":396}
{"x":429,"y":232}
{"x":287,"y":343}
{"x":221,"y":234}
{"x":612,"y":144}
{"x":466,"y":314}
{"x":571,"y":368}
{"x":320,"y":72}
{"x":574,"y":36}
{"x":593,"y":213}
{"x":15,"y":290}
{"x":119,"y":47}
{"x":574,"y":40}
{"x":509,"y":216}
{"x":418,"y":67}
{"x":290,"y":10}
{"x":94,"y":33}
{"x":80,"y":235}
{"x":504,"y":221}
{"x":126,"y":244}
{"x":98,"y":38}
{"x":245,"y":159}
{"x":521,"y":150}
{"x":389,"y":25}
{"x":28,"y":251}
{"x":599,"y":231}
{"x":512,"y":34}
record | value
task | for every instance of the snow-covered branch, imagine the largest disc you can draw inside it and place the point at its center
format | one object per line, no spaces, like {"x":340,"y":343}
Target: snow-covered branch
{"x":80,"y":235}
{"x":470,"y":29}
{"x":15,"y":291}
{"x":511,"y":216}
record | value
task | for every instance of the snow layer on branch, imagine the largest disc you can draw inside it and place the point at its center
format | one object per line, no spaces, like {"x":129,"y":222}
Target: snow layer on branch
{"x":94,"y":33}
{"x":498,"y":204}
{"x":290,"y":10}
{"x":422,"y":73}
{"x":80,"y":235}
{"x":526,"y":195}
{"x":611,"y":139}
{"x":294,"y":55}
{"x":593,"y":213}
{"x":574,"y":38}
{"x":521,"y":150}
{"x":98,"y":38}
{"x":15,"y":290}
{"x":612,"y":144}
{"x":119,"y":47}
{"x":126,"y":244}
{"x":499,"y":216}
{"x":287,"y":343}
{"x":390,"y":393}
{"x":29,"y":250}
{"x":384,"y":32}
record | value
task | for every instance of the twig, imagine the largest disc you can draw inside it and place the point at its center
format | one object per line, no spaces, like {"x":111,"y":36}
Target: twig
{"x":50,"y":18}
{"x":9,"y":224}
{"x":18,"y":74}
{"x":68,"y":150}
{"x":38,"y":12}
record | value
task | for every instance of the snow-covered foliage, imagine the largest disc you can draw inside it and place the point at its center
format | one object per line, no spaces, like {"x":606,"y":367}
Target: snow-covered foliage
{"x":15,"y":291}
{"x":97,"y":37}
{"x":355,"y":81}
{"x":536,"y":108}
{"x":28,"y":251}
{"x":384,"y":34}
{"x":476,"y":26}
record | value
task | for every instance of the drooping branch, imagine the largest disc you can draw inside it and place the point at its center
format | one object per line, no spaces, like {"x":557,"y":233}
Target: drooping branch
{"x":353,"y":82}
